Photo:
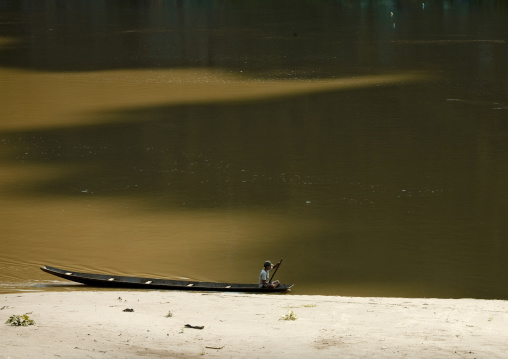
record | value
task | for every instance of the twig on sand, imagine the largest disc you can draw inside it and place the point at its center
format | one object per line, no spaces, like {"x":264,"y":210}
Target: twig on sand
{"x":194,"y":326}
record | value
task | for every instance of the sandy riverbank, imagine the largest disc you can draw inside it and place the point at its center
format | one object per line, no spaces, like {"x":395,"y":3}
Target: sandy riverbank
{"x":90,"y":324}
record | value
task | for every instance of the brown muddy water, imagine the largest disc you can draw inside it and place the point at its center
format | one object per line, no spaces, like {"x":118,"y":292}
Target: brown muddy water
{"x":366,"y":143}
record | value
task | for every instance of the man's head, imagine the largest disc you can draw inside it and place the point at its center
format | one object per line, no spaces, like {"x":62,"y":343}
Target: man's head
{"x":268,"y":264}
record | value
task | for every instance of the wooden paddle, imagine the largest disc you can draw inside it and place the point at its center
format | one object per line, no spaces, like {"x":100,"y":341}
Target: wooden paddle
{"x":276,"y":269}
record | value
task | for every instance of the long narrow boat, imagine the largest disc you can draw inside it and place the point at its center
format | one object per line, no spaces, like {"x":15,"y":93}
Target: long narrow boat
{"x":115,"y":281}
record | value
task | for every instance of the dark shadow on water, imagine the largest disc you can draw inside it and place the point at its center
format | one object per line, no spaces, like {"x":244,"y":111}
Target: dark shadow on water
{"x":251,"y":153}
{"x":239,"y":36}
{"x":278,"y":39}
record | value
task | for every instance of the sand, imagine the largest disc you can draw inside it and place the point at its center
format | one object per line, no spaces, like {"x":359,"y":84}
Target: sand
{"x":93,"y":324}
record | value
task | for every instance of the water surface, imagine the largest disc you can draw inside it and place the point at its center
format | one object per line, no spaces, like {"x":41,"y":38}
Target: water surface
{"x":366,"y":143}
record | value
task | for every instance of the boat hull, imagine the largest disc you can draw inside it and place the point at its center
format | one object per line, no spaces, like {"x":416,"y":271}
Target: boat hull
{"x":115,"y":281}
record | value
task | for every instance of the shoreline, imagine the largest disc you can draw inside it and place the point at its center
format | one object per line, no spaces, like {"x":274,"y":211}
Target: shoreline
{"x":93,"y":324}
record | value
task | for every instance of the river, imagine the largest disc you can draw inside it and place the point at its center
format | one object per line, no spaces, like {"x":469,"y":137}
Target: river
{"x":364,"y":142}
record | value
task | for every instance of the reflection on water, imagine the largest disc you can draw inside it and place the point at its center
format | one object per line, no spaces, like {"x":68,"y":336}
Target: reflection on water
{"x":193,"y":141}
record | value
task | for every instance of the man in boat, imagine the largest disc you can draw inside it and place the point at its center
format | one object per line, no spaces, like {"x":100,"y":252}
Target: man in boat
{"x":264,"y":276}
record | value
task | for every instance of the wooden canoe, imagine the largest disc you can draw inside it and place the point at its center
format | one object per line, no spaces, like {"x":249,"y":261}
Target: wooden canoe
{"x":115,"y":281}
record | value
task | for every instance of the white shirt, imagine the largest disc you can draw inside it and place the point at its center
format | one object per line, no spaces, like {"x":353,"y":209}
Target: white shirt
{"x":264,"y":276}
